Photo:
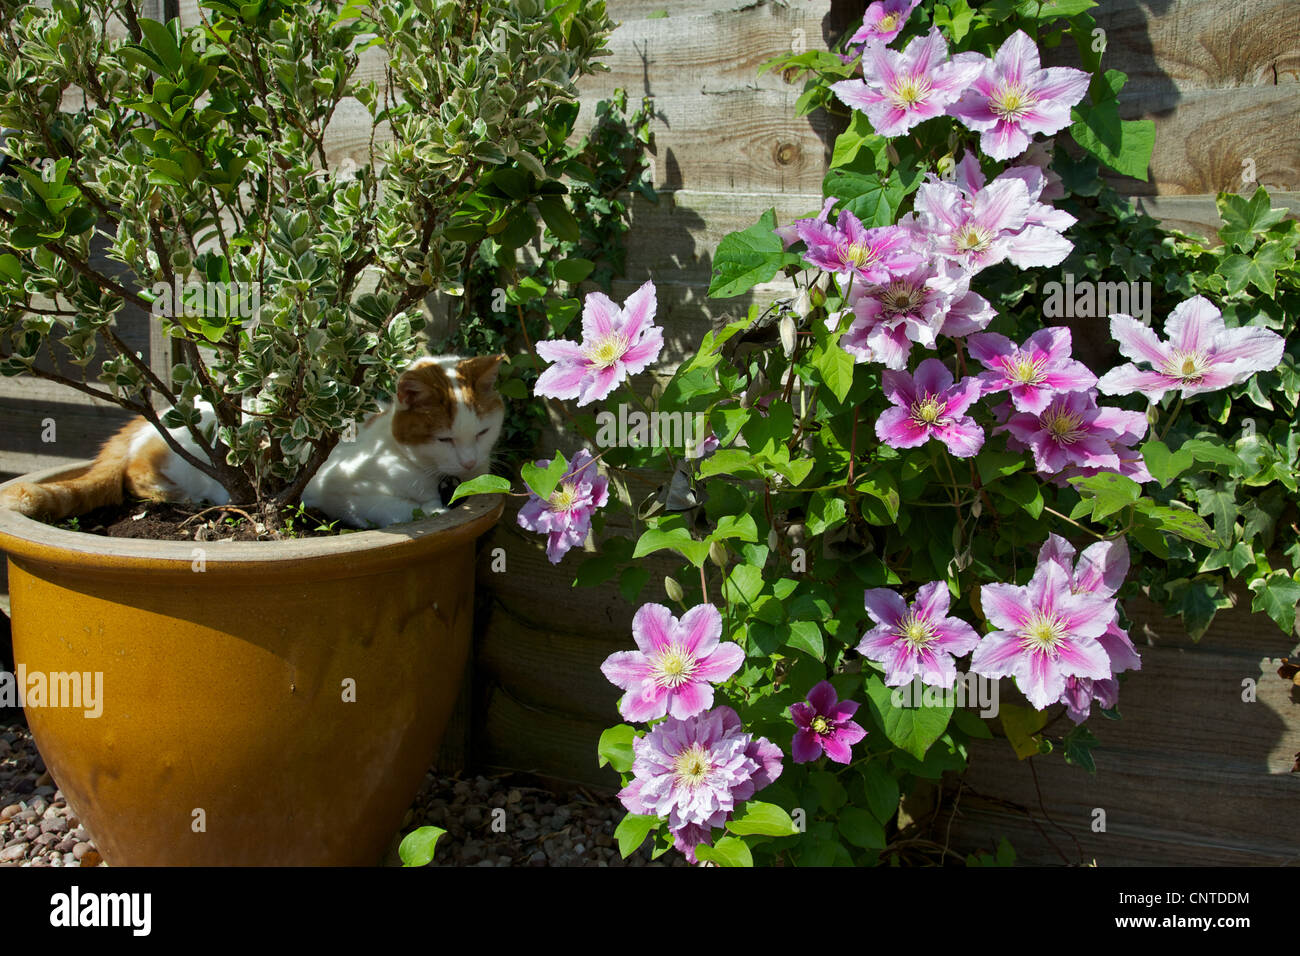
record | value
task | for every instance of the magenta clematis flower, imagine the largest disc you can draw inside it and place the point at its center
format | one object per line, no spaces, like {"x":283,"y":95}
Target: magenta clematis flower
{"x":615,"y":343}
{"x":694,"y":772}
{"x":1202,"y":354}
{"x":824,"y":726}
{"x":674,"y":665}
{"x":1013,"y":98}
{"x":565,"y":517}
{"x":790,"y":234}
{"x":929,"y":406}
{"x":847,"y":248}
{"x":1073,"y":431}
{"x":1033,"y":372}
{"x":1045,"y":633}
{"x":914,"y":307}
{"x":883,"y":21}
{"x":918,"y":641}
{"x":899,"y":90}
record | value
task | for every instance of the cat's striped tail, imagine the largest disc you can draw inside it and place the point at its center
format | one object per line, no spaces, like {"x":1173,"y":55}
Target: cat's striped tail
{"x":98,"y":486}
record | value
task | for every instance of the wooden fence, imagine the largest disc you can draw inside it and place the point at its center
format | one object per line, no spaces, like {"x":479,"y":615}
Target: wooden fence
{"x":1193,"y":774}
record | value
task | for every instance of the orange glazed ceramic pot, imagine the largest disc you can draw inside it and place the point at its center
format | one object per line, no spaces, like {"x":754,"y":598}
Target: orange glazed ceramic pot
{"x":263,"y":703}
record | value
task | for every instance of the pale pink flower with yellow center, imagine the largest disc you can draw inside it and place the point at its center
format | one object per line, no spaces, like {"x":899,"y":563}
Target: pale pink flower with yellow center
{"x":1045,"y":633}
{"x":1013,"y":98}
{"x":565,"y":517}
{"x":899,"y":90}
{"x":615,"y":343}
{"x":1032,"y":372}
{"x":883,"y":21}
{"x":917,"y":641}
{"x":676,"y":661}
{"x":928,"y":405}
{"x":1201,"y":355}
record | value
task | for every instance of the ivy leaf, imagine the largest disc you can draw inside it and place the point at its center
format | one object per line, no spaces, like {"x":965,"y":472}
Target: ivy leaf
{"x":1111,"y":492}
{"x":1165,"y":465}
{"x":1197,"y":601}
{"x":1078,"y":744}
{"x":1259,"y":270}
{"x":1277,"y":596}
{"x":1243,"y":218}
{"x":746,"y":258}
{"x":1220,"y":501}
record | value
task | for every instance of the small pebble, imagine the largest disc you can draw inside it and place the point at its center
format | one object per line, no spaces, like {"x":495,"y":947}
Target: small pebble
{"x":15,"y":852}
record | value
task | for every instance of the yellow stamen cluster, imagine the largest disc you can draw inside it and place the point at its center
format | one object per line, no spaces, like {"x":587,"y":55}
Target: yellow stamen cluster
{"x":820,"y":725}
{"x":908,"y":91}
{"x":1042,"y":633}
{"x":675,"y":666}
{"x":562,"y":498}
{"x":1012,"y":101}
{"x":1021,"y":368}
{"x":607,"y":351}
{"x":860,"y":254}
{"x":1063,"y":426}
{"x":929,"y":411}
{"x":691,"y":766}
{"x":972,"y":238}
{"x":916,"y":631}
{"x":1189,"y":366}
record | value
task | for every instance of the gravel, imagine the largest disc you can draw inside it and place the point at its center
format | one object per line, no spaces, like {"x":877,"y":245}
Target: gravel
{"x":498,"y":820}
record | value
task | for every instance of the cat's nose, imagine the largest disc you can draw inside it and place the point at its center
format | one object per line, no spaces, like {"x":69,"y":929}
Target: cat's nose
{"x":468,"y":463}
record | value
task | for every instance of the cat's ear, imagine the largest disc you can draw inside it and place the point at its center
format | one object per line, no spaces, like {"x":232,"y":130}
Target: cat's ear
{"x":414,"y":388}
{"x":481,"y":371}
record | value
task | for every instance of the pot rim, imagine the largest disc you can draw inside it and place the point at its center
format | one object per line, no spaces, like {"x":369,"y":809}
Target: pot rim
{"x":27,"y":538}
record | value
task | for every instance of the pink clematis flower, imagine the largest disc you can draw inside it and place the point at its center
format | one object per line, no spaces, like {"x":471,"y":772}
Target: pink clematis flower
{"x":1100,"y":570}
{"x":1073,"y":431}
{"x":1013,"y":98}
{"x":1045,"y":634}
{"x":674,"y":665}
{"x":899,"y":90}
{"x":565,"y":517}
{"x":1202,"y":354}
{"x":929,"y":406}
{"x":1032,"y":372}
{"x":970,"y":180}
{"x":848,"y":248}
{"x":980,"y":229}
{"x":914,"y":307}
{"x":694,"y":772}
{"x":883,"y":21}
{"x":824,"y":725}
{"x":918,"y":641}
{"x":615,"y":343}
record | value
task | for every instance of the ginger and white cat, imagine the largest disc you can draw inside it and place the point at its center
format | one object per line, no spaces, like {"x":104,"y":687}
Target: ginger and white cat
{"x":443,"y":422}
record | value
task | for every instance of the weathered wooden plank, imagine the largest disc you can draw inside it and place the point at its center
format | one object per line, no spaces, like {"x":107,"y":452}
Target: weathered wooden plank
{"x":536,"y":740}
{"x":1204,"y":803}
{"x":1235,"y":630}
{"x":1201,"y":44}
{"x":1207,"y":140}
{"x":980,"y":827}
